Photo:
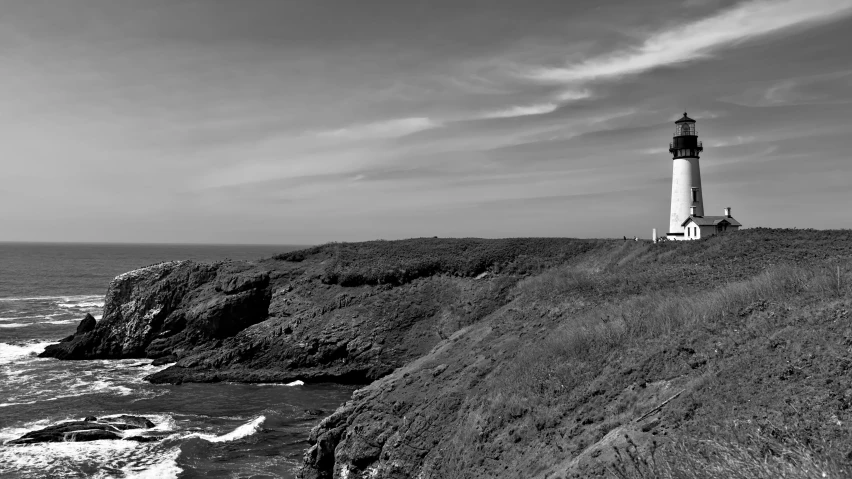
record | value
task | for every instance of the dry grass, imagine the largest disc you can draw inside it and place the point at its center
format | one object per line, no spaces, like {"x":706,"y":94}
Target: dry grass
{"x":540,"y":385}
{"x":743,"y":453}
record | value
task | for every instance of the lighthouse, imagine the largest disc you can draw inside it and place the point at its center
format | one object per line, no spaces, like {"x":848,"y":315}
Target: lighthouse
{"x":686,"y":175}
{"x":686,"y":219}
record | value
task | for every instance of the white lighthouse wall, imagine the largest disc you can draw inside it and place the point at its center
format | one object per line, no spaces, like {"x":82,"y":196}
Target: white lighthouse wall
{"x":685,"y":176}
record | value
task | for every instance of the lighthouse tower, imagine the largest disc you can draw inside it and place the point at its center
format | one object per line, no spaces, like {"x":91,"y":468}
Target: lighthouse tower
{"x":687,"y":199}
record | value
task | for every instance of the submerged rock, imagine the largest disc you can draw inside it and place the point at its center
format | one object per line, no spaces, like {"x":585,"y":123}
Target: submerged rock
{"x":89,"y":429}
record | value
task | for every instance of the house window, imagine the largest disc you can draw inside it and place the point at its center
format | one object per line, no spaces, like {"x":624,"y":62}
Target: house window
{"x":688,"y":231}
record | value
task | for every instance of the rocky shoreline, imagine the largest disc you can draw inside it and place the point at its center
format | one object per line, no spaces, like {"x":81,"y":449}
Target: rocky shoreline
{"x":437,"y":330}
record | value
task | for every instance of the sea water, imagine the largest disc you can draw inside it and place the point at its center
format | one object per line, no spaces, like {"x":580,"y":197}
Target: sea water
{"x":211,"y":430}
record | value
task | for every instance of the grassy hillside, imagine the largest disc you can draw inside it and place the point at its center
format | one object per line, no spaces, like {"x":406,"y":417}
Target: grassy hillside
{"x":725,"y":357}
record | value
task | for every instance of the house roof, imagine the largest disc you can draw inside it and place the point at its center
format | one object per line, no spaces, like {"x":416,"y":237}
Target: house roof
{"x":711,"y":220}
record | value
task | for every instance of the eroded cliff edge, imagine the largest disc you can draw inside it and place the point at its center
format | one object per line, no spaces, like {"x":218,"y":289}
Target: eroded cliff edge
{"x":340,"y":312}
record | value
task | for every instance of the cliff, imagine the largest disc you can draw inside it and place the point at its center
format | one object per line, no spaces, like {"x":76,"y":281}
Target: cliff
{"x":526,"y":357}
{"x":339,"y":312}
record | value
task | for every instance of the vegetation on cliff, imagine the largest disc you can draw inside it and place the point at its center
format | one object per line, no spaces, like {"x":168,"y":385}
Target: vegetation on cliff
{"x":526,"y":357}
{"x":632,"y":360}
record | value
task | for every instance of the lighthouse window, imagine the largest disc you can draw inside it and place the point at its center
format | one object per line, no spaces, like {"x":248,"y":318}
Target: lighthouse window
{"x":695,"y":194}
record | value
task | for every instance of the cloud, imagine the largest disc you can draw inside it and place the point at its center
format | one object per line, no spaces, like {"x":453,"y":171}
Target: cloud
{"x":832,"y":88}
{"x":574,"y":95}
{"x":698,"y":39}
{"x":382,"y":129}
{"x":514,"y":111}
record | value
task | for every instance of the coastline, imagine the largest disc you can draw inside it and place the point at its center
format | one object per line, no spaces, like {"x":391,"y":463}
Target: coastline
{"x":432,"y":337}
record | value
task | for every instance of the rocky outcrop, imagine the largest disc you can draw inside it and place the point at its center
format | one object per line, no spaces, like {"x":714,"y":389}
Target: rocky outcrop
{"x":87,"y":324}
{"x":170,"y":308}
{"x":292,"y":318}
{"x":90,"y":429}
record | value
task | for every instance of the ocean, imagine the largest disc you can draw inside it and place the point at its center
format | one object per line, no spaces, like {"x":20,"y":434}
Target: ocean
{"x":213,"y":430}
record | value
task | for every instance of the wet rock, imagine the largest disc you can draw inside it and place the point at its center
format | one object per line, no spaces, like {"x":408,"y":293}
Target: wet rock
{"x":170,"y":358}
{"x":87,"y":324}
{"x":145,"y":438}
{"x":89,"y":429}
{"x":137,"y":422}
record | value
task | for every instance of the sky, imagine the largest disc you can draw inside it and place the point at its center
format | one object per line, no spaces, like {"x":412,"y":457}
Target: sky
{"x":308,"y":121}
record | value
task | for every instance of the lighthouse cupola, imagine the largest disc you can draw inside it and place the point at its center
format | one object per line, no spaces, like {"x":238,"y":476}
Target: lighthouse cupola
{"x":685,"y":142}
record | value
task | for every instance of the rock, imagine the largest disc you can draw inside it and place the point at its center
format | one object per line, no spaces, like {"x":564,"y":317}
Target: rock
{"x":87,"y":324}
{"x":145,"y":438}
{"x":162,"y":309}
{"x":89,"y":429}
{"x":90,"y":435}
{"x":136,"y":422}
{"x":170,"y":358}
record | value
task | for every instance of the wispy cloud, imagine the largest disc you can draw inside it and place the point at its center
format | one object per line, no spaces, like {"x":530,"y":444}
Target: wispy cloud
{"x":832,"y":87}
{"x":514,"y":111}
{"x":382,"y":129}
{"x":699,"y":39}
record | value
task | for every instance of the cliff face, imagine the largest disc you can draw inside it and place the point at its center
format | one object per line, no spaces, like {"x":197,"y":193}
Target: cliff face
{"x":347,"y":313}
{"x":170,"y":308}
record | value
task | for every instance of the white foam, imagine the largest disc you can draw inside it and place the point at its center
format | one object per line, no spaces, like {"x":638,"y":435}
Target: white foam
{"x":12,"y":352}
{"x":63,"y":459}
{"x":15,"y":325}
{"x":294,"y":383}
{"x":81,"y":297}
{"x":167,"y":468}
{"x":13,"y":318}
{"x":245,"y":430}
{"x":60,"y":459}
{"x":64,"y":321}
{"x":16,"y":432}
{"x":82,"y":304}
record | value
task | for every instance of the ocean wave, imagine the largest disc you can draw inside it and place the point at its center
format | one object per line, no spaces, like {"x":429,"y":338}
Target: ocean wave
{"x":164,"y":466}
{"x":76,"y":459}
{"x":15,"y":352}
{"x":82,"y":304}
{"x":245,"y":430}
{"x":290,"y":384}
{"x":54,"y":322}
{"x":13,"y":318}
{"x":64,"y":298}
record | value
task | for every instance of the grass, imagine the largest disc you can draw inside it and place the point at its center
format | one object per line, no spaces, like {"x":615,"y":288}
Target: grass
{"x":752,"y":328}
{"x":745,"y":452}
{"x":555,"y":378}
{"x":400,"y":262}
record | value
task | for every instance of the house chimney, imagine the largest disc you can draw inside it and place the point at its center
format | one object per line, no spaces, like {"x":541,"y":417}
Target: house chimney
{"x":692,"y":210}
{"x":728,"y":212}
